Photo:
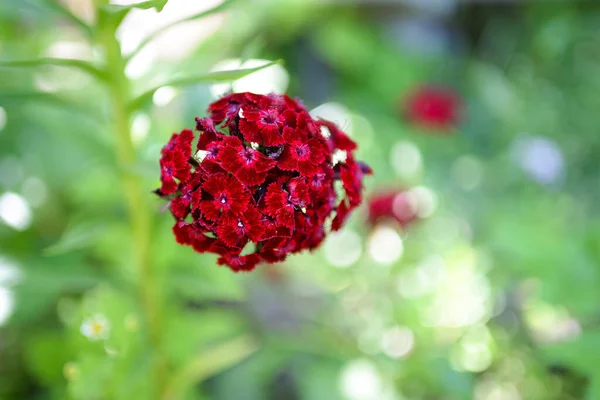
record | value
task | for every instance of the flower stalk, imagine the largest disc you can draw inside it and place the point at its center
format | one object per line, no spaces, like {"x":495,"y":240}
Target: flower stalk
{"x":137,"y":204}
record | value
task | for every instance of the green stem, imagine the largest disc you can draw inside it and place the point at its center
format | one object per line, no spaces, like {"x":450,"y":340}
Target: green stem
{"x":139,"y":215}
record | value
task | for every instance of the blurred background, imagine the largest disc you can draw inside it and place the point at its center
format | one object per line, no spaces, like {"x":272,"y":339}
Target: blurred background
{"x":471,"y":271}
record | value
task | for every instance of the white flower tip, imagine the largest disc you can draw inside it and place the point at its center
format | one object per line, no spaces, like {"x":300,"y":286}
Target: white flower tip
{"x":95,"y":328}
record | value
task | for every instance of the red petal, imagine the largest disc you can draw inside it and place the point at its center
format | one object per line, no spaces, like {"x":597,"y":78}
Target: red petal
{"x":252,"y":224}
{"x":343,"y":211}
{"x":271,"y":136}
{"x":180,"y":207}
{"x":352,"y":181}
{"x":215,"y":184}
{"x":239,"y":263}
{"x":298,"y":192}
{"x":248,"y":165}
{"x":290,"y":117}
{"x":169,"y":186}
{"x":229,"y":232}
{"x":287,"y":160}
{"x":275,"y":199}
{"x":207,"y":126}
{"x":182,"y":232}
{"x":250,"y":131}
{"x":339,"y":139}
{"x":185,"y":141}
{"x":293,"y":135}
{"x":210,"y":209}
{"x":317,"y":151}
{"x":307,"y":168}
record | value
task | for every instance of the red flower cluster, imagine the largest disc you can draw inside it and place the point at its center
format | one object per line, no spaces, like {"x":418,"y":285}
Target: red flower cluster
{"x":263,"y":173}
{"x":434,"y":107}
{"x":392,"y":205}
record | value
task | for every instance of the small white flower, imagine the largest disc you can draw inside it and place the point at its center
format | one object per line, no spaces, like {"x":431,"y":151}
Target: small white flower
{"x":96,"y":327}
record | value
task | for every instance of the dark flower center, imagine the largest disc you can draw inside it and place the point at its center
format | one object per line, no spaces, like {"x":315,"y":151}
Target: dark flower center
{"x":317,"y":180}
{"x":302,"y":150}
{"x":269,"y":117}
{"x":248,"y":155}
{"x":233,"y":108}
{"x":212,"y":152}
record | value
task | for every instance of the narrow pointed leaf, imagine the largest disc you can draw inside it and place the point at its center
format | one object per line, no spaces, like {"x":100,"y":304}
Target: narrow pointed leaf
{"x":144,"y":5}
{"x":81,"y":65}
{"x":211,"y":77}
{"x":76,"y":237}
{"x":165,"y":28}
{"x":208,"y":364}
{"x":52,"y":100}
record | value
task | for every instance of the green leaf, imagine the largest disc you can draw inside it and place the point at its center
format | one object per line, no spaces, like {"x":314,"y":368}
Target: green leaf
{"x":52,"y":100}
{"x":46,"y":354}
{"x":144,"y":5}
{"x":209,"y":363}
{"x":62,"y":10}
{"x":194,"y":17}
{"x":77,"y":237}
{"x":593,"y":390}
{"x":211,"y":77}
{"x":579,"y":354}
{"x":81,"y":65}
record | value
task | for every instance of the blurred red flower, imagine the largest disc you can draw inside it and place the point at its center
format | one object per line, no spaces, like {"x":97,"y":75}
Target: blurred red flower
{"x":392,"y":205}
{"x":264,"y":174}
{"x":434,"y":107}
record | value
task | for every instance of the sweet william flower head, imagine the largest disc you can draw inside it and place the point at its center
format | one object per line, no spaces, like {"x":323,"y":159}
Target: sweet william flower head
{"x":259,"y":184}
{"x":434,"y":107}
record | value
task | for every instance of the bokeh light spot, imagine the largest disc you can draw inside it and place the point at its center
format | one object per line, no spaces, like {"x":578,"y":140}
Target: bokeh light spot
{"x":360,"y":381}
{"x":164,"y":96}
{"x":343,"y":248}
{"x":406,"y":159}
{"x":397,"y":342}
{"x":272,"y":79}
{"x":385,"y":245}
{"x":15,"y":211}
{"x":467,"y":172}
{"x":140,"y":127}
{"x":7,"y":304}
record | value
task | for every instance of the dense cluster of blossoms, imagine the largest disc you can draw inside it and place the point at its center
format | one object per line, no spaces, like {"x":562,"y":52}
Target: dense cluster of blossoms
{"x":434,"y":107}
{"x":263,"y":173}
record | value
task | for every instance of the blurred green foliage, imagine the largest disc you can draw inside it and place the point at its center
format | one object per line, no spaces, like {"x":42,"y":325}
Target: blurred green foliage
{"x":493,"y":296}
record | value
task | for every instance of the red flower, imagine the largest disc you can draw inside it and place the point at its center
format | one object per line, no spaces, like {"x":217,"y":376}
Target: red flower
{"x":282,"y":204}
{"x":174,"y":161}
{"x":226,"y":194}
{"x":235,"y":231}
{"x":263,"y":126}
{"x":434,"y":107}
{"x":299,"y":154}
{"x":394,"y":205}
{"x":239,"y":263}
{"x":180,"y":205}
{"x":263,"y":175}
{"x":249,"y":165}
